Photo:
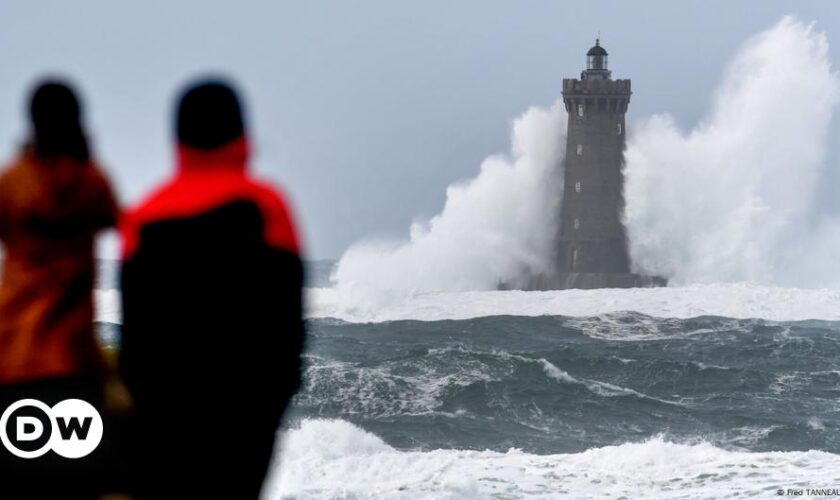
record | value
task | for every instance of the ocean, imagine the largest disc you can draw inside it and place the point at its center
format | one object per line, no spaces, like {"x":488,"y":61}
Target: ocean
{"x":709,"y":391}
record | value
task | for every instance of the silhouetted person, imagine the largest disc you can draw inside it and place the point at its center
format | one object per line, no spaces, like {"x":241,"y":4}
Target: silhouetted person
{"x":212,"y":322}
{"x":53,"y":201}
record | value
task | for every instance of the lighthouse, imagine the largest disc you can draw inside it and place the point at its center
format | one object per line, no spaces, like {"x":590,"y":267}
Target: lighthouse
{"x":592,"y":241}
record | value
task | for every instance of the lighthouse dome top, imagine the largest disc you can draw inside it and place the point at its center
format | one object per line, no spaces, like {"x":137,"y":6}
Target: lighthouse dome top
{"x":597,"y":50}
{"x":596,"y":59}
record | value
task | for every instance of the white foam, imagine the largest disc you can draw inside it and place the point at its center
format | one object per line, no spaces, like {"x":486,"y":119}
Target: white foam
{"x":335,"y":459}
{"x":731,"y":300}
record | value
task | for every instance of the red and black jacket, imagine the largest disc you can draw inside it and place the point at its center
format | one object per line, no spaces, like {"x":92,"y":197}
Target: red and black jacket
{"x":211,"y":288}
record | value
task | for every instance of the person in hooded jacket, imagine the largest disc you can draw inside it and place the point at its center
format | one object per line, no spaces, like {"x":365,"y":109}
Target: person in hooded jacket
{"x":54,"y":200}
{"x":212,"y":319}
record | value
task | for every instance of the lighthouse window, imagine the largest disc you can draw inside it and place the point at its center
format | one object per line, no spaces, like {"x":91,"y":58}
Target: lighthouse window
{"x":574,"y":258}
{"x":577,"y":187}
{"x":577,"y":223}
{"x":619,"y":129}
{"x":580,"y":109}
{"x":580,"y":149}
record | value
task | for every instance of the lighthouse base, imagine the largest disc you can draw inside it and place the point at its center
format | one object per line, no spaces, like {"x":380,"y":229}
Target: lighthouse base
{"x":588,"y":281}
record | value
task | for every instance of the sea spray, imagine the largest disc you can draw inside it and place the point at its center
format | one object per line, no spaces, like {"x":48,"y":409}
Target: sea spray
{"x":495,"y":228}
{"x":733,"y":199}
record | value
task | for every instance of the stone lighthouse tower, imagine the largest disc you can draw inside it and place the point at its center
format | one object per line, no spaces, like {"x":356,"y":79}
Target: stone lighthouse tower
{"x":592,"y":247}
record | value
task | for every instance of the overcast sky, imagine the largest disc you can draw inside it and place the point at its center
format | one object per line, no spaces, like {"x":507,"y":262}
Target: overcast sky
{"x":364,"y":111}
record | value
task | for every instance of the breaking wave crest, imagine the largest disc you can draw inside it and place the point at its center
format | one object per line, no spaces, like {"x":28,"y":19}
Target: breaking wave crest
{"x":336,"y":459}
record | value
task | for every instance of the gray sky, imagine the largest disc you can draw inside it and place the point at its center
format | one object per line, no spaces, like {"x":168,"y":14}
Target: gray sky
{"x":365,"y":111}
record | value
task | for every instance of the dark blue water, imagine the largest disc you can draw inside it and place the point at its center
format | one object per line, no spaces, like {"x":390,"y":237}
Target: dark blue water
{"x":556,"y":384}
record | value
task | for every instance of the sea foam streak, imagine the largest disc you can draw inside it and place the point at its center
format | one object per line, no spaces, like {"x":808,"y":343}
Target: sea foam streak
{"x":335,"y":459}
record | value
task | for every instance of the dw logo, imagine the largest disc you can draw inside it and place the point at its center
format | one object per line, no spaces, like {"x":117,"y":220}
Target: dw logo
{"x":71,"y":428}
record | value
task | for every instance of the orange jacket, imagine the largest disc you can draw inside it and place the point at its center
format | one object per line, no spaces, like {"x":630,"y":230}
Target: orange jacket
{"x":50,"y":212}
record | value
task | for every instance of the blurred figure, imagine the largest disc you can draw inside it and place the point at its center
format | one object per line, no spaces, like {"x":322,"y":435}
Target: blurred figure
{"x":53,"y":201}
{"x":212,"y":321}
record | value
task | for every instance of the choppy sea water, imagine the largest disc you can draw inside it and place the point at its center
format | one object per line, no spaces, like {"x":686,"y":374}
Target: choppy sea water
{"x":546,"y":407}
{"x":614,"y":404}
